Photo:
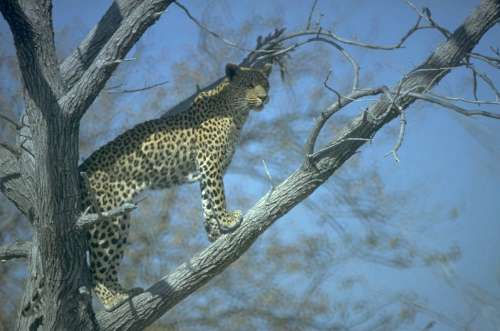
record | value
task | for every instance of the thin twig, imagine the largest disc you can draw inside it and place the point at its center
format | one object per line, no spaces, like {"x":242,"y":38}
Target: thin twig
{"x":426,"y":14}
{"x":308,"y":25}
{"x":443,"y":102}
{"x":325,"y":83}
{"x":86,"y":220}
{"x":324,"y":116}
{"x":204,"y":28}
{"x":477,"y":102}
{"x":107,"y":63}
{"x":474,"y":84}
{"x":485,"y":78}
{"x":492,"y":61}
{"x":11,"y":149}
{"x":11,"y":121}
{"x":91,"y":193}
{"x":399,"y":142}
{"x":139,"y":89}
{"x":348,"y":56}
{"x":20,"y":249}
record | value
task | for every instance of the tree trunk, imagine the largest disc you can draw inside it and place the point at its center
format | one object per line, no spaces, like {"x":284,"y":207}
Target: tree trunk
{"x":47,"y":170}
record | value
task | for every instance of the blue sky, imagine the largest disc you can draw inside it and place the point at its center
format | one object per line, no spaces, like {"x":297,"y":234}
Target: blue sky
{"x":448,"y":161}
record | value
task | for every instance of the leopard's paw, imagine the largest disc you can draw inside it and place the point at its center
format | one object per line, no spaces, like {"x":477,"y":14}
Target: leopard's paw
{"x":120,"y":298}
{"x":230,"y":221}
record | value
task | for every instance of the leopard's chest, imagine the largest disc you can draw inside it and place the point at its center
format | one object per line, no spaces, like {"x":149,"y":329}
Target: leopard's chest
{"x":221,"y":138}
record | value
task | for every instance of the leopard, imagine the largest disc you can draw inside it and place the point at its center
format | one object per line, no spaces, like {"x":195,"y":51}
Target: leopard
{"x":194,"y":145}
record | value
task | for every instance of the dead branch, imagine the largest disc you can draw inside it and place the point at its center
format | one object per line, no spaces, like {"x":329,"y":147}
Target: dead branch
{"x":18,"y":250}
{"x":92,"y":195}
{"x":111,"y":90}
{"x":445,"y":103}
{"x":311,"y":12}
{"x":402,"y":126}
{"x":11,"y":149}
{"x":492,"y":61}
{"x":75,"y":65}
{"x":426,"y":14}
{"x":210,"y":32}
{"x":11,"y":121}
{"x":325,"y":115}
{"x":92,"y":81}
{"x":484,"y":77}
{"x":87,"y":220}
{"x":477,"y":102}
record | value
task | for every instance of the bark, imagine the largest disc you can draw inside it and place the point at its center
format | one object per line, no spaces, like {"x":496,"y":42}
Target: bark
{"x":47,"y":170}
{"x":56,"y":98}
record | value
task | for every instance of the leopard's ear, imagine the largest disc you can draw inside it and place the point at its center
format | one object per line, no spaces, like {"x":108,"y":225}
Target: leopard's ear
{"x":231,"y":70}
{"x":266,"y":69}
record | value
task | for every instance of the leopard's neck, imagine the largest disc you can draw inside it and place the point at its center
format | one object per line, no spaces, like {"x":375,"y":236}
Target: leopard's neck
{"x":222,"y":101}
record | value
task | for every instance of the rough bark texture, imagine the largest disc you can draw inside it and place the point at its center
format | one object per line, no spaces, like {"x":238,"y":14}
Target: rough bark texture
{"x":43,"y":181}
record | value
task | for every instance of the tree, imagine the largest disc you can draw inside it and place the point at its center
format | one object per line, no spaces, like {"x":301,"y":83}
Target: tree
{"x":40,"y":174}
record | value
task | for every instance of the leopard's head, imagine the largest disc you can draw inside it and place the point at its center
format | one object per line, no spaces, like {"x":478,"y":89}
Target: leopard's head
{"x":249,"y":86}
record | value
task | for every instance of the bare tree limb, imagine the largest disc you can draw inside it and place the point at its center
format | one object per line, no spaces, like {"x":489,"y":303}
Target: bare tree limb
{"x":11,"y":149}
{"x":325,"y":115}
{"x":18,"y":250}
{"x":41,"y":78}
{"x":111,"y":90}
{"x":311,"y":12}
{"x":426,"y":14}
{"x":73,"y":67}
{"x":477,"y":102}
{"x":492,"y":61}
{"x":12,"y":184}
{"x":11,"y":121}
{"x":86,"y":89}
{"x":402,"y":126}
{"x":86,"y":220}
{"x":207,"y":30}
{"x":443,"y":102}
{"x":485,"y":78}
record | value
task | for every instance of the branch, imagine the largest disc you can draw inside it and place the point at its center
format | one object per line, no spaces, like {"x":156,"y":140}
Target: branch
{"x":325,"y":115}
{"x":138,"y":89}
{"x":86,"y":220}
{"x":11,"y":149}
{"x":74,"y":66}
{"x":485,"y":78}
{"x":426,"y":14}
{"x":492,"y":61}
{"x":35,"y":51}
{"x":11,"y":183}
{"x":311,"y":12}
{"x":402,"y":126}
{"x":445,"y":103}
{"x":146,"y":307}
{"x":20,"y":249}
{"x":92,"y":81}
{"x":204,"y":28}
{"x":11,"y":121}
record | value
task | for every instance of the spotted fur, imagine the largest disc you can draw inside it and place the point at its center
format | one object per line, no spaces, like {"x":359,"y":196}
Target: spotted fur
{"x":195,"y":145}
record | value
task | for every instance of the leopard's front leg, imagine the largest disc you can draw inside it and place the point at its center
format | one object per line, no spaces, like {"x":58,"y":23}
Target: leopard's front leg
{"x":218,"y":219}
